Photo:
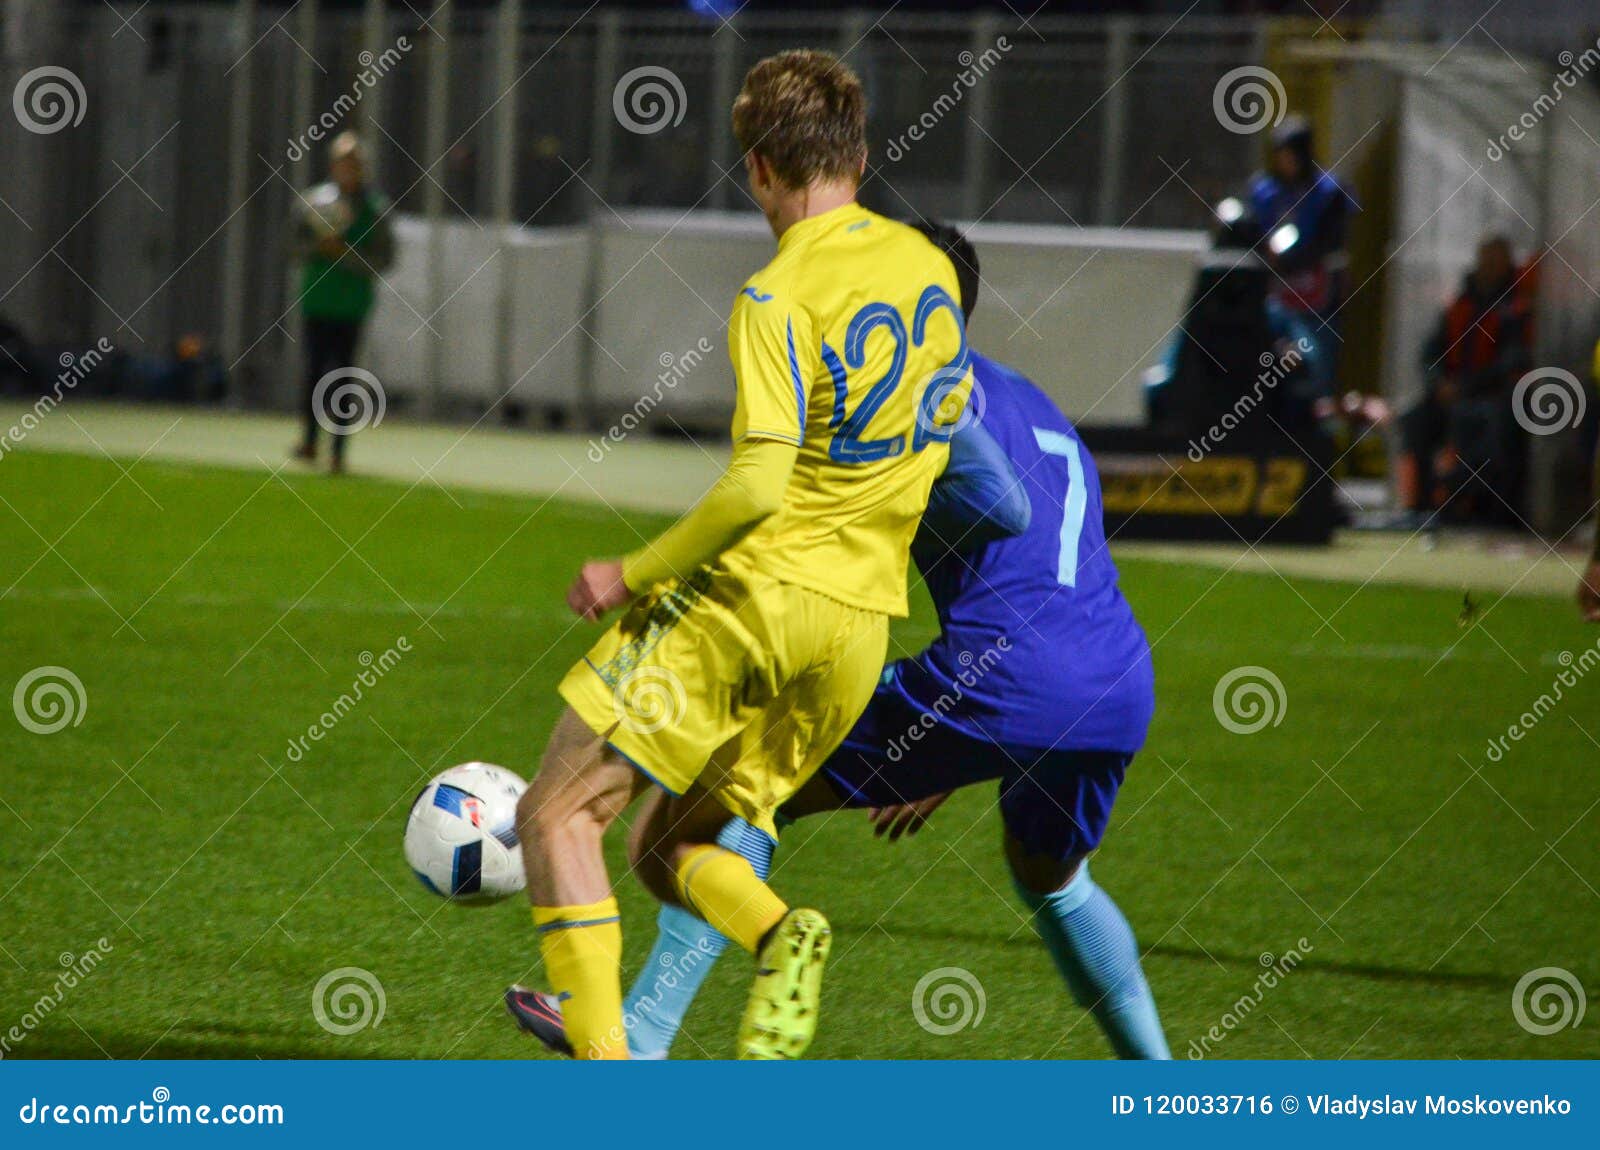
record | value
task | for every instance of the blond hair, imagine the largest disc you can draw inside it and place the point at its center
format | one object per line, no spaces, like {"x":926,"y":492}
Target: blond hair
{"x":347,"y":145}
{"x":805,"y":113}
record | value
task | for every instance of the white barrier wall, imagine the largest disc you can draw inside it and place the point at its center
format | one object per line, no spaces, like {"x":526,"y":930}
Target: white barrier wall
{"x":550,"y":289}
{"x":390,"y":349}
{"x":525,"y":345}
{"x":1081,"y":311}
{"x":666,"y":281}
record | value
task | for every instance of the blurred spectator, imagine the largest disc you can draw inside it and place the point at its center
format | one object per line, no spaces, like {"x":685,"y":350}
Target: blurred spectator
{"x":19,"y":366}
{"x":1464,"y":424}
{"x":1303,"y":213}
{"x":344,"y":242}
{"x":1589,"y":583}
{"x":1238,"y":348}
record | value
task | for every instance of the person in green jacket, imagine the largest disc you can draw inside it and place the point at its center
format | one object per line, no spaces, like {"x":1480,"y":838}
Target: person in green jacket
{"x":1589,"y":581}
{"x":344,"y":243}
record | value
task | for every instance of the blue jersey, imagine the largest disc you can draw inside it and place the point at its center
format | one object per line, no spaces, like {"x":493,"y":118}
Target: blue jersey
{"x":1038,"y":647}
{"x":1311,"y":272}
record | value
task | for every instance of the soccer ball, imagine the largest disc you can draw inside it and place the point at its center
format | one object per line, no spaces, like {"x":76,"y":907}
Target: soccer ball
{"x":461,"y":835}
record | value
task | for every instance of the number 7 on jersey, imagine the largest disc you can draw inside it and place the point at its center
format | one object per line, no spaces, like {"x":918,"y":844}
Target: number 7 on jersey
{"x":1077,"y":501}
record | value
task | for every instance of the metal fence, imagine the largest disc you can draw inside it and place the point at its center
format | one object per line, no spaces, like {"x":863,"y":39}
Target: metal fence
{"x":170,"y":198}
{"x":163,"y":211}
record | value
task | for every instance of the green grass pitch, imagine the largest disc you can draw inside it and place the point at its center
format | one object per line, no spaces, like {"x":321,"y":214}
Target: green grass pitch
{"x":227,"y":879}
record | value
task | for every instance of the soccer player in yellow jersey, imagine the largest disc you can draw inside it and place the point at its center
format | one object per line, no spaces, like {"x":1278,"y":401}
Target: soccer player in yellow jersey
{"x":759,"y":622}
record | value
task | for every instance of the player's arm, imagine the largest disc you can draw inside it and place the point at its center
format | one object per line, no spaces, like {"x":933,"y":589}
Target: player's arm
{"x":376,"y":244}
{"x":767,"y":342}
{"x":750,"y":490}
{"x":303,"y":238}
{"x":977,"y":500}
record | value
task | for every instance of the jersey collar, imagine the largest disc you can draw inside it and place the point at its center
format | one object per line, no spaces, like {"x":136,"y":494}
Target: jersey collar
{"x":802,"y":230}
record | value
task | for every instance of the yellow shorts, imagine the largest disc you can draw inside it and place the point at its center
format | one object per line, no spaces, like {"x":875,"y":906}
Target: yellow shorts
{"x":733,"y":680}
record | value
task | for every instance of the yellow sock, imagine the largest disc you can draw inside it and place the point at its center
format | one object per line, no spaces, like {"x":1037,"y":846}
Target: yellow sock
{"x":582,"y":948}
{"x":720,"y":886}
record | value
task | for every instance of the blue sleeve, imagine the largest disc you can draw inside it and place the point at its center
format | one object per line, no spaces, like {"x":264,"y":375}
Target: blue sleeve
{"x":977,"y":500}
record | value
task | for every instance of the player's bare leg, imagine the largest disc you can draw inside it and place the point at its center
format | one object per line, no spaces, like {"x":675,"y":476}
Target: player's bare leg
{"x":676,"y":851}
{"x":663,"y":831}
{"x":1042,"y":873}
{"x":653,"y":837}
{"x":581,"y":788}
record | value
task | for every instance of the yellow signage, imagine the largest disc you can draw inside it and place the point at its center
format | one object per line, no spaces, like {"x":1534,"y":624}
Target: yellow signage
{"x":1219,"y":485}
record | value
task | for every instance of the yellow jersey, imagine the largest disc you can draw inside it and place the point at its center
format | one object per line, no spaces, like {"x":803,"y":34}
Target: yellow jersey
{"x":850,"y":344}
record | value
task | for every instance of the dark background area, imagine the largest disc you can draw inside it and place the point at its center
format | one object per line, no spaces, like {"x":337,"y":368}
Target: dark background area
{"x":1026,"y":8}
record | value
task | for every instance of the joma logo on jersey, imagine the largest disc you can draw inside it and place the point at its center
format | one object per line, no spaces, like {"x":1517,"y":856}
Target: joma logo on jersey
{"x":755,"y":294}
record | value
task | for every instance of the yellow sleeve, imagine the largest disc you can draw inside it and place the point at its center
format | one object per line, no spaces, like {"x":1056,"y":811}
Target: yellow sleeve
{"x":750,"y":490}
{"x":775,"y":358}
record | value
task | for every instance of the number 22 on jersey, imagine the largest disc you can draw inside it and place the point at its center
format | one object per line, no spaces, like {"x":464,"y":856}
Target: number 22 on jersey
{"x":849,"y":444}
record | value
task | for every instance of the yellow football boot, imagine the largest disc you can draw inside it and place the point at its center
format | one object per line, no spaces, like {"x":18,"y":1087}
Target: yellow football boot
{"x":781,"y":1017}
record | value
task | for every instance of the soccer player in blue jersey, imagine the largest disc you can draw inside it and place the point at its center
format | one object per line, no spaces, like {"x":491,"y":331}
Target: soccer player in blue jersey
{"x":1041,"y":679}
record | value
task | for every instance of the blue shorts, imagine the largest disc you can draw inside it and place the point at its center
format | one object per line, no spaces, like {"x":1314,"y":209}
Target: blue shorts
{"x":1054,"y":803}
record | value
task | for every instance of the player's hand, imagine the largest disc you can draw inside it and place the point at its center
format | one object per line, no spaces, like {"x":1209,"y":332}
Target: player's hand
{"x":598,"y":588}
{"x":1589,"y":592}
{"x":331,"y":247}
{"x":904,"y":818}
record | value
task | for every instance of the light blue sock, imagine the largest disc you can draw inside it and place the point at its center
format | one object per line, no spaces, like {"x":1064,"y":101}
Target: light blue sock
{"x":1094,"y":949}
{"x":684,"y":953}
